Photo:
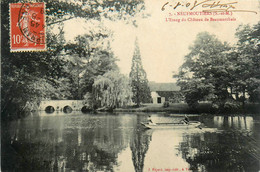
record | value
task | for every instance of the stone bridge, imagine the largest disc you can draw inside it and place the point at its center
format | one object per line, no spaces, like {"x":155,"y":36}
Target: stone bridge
{"x":63,"y":105}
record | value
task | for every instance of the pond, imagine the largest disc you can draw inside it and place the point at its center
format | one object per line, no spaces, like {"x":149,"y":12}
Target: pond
{"x":117,"y":142}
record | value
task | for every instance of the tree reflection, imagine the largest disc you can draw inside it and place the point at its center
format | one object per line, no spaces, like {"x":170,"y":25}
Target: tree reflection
{"x":234,"y":149}
{"x":227,"y":151}
{"x":55,"y":148}
{"x":234,"y":122}
{"x":106,"y":143}
{"x":139,"y":146}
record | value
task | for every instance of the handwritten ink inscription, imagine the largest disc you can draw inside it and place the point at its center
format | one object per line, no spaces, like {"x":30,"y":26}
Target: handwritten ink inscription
{"x":206,"y":5}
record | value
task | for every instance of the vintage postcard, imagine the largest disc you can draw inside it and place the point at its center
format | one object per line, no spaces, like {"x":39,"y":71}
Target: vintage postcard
{"x":130,"y":85}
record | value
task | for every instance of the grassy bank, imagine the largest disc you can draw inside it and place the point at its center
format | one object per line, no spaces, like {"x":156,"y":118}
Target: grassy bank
{"x":184,"y":108}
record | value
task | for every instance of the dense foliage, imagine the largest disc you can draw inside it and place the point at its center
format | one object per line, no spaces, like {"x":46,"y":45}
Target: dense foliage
{"x":248,"y":61}
{"x":112,"y":90}
{"x":139,"y":82}
{"x":87,"y":59}
{"x":67,"y":69}
{"x":224,"y":75}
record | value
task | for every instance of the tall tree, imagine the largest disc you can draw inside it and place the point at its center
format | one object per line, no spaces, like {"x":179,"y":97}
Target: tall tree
{"x":248,"y":59}
{"x":204,"y":74}
{"x":87,"y":59}
{"x":139,"y":82}
{"x":222,"y":74}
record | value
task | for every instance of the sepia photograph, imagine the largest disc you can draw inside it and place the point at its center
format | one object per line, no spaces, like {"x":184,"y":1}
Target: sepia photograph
{"x":130,"y":85}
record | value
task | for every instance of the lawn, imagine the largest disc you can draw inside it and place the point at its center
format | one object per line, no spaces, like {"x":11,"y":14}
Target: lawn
{"x":184,"y":108}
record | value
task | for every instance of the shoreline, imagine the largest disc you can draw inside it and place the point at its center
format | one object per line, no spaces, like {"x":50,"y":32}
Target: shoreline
{"x":183,"y":108}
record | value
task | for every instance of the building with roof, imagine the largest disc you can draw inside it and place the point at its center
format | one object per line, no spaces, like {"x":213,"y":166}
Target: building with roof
{"x":162,"y":92}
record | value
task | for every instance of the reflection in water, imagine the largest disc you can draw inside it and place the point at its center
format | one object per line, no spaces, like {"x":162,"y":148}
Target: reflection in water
{"x":163,"y":153}
{"x":109,"y":142}
{"x":234,"y":149}
{"x":220,"y":152}
{"x":139,"y":146}
{"x":54,"y":143}
{"x":234,"y":122}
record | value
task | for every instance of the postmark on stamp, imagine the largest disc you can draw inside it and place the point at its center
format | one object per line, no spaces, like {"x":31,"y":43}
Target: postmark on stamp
{"x":27,"y":27}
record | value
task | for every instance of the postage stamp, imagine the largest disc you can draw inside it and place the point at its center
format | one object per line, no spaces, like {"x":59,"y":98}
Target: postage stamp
{"x":27,"y":27}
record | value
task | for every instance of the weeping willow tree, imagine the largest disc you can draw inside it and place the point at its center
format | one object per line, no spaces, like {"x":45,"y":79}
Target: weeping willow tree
{"x":112,"y":90}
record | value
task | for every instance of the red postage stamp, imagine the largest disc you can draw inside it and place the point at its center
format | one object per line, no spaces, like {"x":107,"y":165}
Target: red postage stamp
{"x":27,"y":27}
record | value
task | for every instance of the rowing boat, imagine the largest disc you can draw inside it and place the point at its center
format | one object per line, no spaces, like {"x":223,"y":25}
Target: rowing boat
{"x":191,"y":124}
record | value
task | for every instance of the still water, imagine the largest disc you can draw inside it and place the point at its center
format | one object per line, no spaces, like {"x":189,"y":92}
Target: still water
{"x":117,"y":142}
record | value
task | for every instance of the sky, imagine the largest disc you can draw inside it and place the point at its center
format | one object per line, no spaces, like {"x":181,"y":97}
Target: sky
{"x":162,"y":44}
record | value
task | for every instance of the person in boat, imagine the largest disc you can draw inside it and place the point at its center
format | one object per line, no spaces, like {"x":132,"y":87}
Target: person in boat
{"x":186,"y":120}
{"x":150,"y":122}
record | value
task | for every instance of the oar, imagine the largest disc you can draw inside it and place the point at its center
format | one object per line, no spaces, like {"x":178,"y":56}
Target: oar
{"x":199,"y":127}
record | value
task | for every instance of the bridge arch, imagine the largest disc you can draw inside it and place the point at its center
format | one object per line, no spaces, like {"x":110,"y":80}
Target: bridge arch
{"x":49,"y":109}
{"x":67,"y":109}
{"x":59,"y":105}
